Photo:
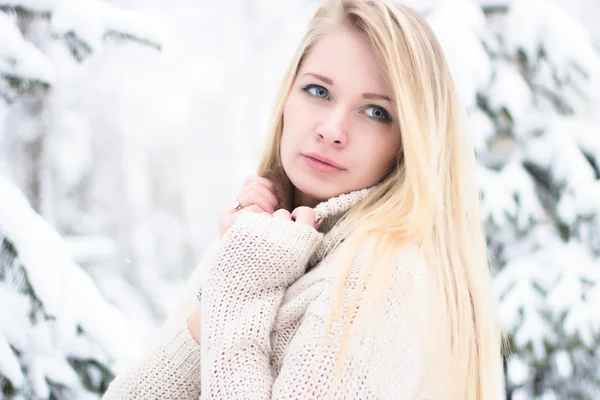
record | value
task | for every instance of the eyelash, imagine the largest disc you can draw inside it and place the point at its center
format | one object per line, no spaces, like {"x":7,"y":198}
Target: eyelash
{"x":387,"y":119}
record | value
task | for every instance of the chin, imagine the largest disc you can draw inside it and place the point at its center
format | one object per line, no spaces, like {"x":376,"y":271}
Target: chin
{"x":318,"y":189}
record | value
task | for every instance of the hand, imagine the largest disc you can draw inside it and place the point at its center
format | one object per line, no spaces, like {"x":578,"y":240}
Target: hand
{"x":257,"y":195}
{"x":302,"y":215}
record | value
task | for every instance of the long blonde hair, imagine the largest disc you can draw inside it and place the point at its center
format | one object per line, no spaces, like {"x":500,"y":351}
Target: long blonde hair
{"x":430,"y":199}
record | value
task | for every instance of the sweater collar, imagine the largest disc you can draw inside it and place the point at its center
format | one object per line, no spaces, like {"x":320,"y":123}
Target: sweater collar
{"x":331,"y":211}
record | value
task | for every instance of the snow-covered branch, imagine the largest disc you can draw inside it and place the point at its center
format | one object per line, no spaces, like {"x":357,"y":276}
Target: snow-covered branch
{"x":48,"y":303}
{"x":83,"y":25}
{"x":91,"y":21}
{"x":21,"y":63}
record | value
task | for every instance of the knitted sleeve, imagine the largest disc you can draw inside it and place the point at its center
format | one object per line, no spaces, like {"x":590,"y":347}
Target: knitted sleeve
{"x":171,"y":369}
{"x":259,"y":258}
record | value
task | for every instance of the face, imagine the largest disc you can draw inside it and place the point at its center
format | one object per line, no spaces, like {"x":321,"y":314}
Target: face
{"x":339,"y":130}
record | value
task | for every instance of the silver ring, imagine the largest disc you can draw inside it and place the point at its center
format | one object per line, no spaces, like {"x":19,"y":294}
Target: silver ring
{"x":236,"y":205}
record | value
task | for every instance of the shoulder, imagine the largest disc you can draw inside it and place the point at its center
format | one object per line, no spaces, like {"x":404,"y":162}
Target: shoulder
{"x":399,"y":267}
{"x":400,"y":288}
{"x":401,"y":330}
{"x":410,"y":265}
{"x":412,"y":286}
{"x":404,"y":306}
{"x":404,"y":270}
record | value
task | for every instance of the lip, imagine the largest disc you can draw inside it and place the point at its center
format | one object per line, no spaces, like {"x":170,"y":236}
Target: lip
{"x":321,"y":163}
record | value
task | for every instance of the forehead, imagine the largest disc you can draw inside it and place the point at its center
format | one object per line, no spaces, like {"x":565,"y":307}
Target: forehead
{"x":345,"y":56}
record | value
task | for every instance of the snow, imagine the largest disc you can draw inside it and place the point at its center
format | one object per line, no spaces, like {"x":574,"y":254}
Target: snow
{"x":481,"y":128}
{"x":531,"y":26}
{"x":67,"y":293}
{"x":495,"y":3}
{"x":541,"y":200}
{"x":42,"y":253}
{"x":509,"y":92}
{"x":458,"y":25}
{"x":9,"y":364}
{"x":562,"y":157}
{"x":586,"y":12}
{"x":90,"y":20}
{"x":563,"y":362}
{"x":142,"y":149}
{"x":21,"y":58}
{"x":91,"y":248}
{"x":539,"y":282}
{"x":518,"y":371}
{"x":71,"y":148}
{"x":509,"y":195}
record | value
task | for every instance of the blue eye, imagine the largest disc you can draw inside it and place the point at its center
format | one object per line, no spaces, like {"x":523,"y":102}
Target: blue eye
{"x":379,"y":114}
{"x":317,"y":91}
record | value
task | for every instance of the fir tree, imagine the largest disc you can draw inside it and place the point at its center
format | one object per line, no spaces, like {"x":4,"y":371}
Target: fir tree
{"x":541,"y":195}
{"x":59,"y":338}
{"x":56,"y":340}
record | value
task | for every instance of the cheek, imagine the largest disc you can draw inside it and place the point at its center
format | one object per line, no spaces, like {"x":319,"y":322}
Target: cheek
{"x":395,"y":149}
{"x":294,"y":120}
{"x":384,"y":151}
{"x":288,"y":134}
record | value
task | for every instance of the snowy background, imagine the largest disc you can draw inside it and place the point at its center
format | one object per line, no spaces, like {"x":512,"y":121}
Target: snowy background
{"x":126,"y":126}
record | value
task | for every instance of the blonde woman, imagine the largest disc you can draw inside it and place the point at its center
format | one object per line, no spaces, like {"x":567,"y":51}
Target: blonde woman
{"x":353,"y":266}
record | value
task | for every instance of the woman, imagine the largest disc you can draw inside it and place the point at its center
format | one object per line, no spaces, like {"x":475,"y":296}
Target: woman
{"x":354,"y":264}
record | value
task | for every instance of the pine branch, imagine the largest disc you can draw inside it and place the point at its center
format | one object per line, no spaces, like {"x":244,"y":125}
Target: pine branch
{"x":493,"y":8}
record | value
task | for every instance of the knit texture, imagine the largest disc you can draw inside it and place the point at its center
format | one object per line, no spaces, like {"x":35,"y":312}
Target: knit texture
{"x":263,"y":318}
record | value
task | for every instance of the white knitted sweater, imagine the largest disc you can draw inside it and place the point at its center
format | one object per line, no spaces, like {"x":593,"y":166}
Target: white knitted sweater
{"x":263,"y":316}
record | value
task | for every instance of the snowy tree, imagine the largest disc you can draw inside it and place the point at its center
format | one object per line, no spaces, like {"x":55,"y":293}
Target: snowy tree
{"x":82,"y":26}
{"x":57,"y":333}
{"x":46,"y":137}
{"x":530,"y":76}
{"x":67,"y":32}
{"x":128,"y":145}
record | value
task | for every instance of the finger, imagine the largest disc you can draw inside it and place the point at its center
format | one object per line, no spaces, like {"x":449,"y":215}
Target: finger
{"x":260,"y":181}
{"x":268,"y":194}
{"x":249,"y":179}
{"x":304,"y":215}
{"x":254,"y":208}
{"x":283,"y":214}
{"x":254,"y":197}
{"x":318,"y":225}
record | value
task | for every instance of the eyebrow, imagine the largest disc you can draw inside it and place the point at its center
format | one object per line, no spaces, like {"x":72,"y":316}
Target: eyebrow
{"x":371,"y":96}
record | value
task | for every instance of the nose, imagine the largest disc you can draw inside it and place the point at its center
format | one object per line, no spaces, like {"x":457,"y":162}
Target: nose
{"x":333,"y":130}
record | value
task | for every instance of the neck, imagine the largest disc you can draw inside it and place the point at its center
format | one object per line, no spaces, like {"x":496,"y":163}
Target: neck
{"x":303,"y":199}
